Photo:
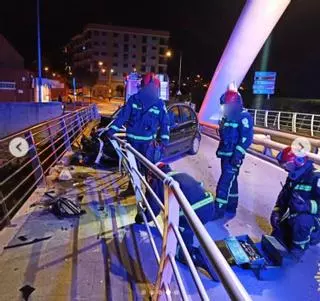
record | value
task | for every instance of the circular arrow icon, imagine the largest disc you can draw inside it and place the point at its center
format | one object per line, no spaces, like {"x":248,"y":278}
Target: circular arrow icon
{"x":18,"y":147}
{"x":301,"y":146}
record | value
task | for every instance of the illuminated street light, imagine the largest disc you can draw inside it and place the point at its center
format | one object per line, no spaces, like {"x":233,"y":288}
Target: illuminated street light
{"x":111,"y":70}
{"x":53,"y":74}
{"x":100,"y":63}
{"x":46,"y":69}
{"x":168,"y":53}
{"x":134,"y":69}
{"x":103,"y":70}
{"x":198,"y":76}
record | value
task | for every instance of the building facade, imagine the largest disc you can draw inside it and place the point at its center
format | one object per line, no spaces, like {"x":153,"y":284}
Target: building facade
{"x":15,"y":81}
{"x":113,"y":51}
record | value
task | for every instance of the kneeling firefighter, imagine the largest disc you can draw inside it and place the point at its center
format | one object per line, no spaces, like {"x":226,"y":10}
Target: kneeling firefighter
{"x":296,"y":216}
{"x":143,"y":114}
{"x":236,"y":135}
{"x":200,"y":200}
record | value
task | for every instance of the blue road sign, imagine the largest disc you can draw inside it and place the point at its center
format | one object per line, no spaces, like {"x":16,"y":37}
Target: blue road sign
{"x":264,"y":82}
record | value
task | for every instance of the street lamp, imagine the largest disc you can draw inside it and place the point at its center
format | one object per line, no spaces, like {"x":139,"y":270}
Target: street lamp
{"x":100,"y":63}
{"x":109,"y":84}
{"x":46,"y":69}
{"x":39,"y":53}
{"x":168,"y":55}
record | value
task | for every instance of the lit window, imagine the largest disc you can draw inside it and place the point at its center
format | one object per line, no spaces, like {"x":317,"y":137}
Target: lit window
{"x":7,"y":85}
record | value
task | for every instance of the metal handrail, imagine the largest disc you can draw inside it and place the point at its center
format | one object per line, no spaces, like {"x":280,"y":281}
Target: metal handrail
{"x":32,"y":128}
{"x":233,"y":286}
{"x":266,"y":142}
{"x":300,"y":123}
{"x":64,"y":135}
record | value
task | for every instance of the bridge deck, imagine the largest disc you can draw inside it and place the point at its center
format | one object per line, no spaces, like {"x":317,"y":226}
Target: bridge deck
{"x":102,"y":256}
{"x":95,"y":257}
{"x":259,"y":185}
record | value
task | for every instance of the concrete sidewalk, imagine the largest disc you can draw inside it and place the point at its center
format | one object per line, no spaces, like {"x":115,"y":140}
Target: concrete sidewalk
{"x":99,"y":256}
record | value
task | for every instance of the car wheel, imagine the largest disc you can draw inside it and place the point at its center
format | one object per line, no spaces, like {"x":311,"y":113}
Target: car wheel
{"x":195,"y":146}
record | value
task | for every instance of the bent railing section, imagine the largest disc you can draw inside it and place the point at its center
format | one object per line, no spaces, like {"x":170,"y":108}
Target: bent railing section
{"x":173,"y":201}
{"x":48,"y":142}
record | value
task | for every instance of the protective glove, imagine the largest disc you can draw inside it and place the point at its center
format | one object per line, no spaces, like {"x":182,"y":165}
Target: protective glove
{"x":275,"y":220}
{"x":236,"y":160}
{"x":299,"y":205}
{"x":217,"y":152}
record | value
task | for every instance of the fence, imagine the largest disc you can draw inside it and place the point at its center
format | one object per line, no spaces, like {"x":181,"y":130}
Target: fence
{"x":48,"y":142}
{"x":300,"y":123}
{"x":262,"y":144}
{"x":175,"y":199}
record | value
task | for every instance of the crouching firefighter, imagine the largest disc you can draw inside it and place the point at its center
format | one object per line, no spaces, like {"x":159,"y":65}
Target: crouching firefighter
{"x":296,"y":216}
{"x":236,"y":134}
{"x":143,"y":115}
{"x":201,"y":202}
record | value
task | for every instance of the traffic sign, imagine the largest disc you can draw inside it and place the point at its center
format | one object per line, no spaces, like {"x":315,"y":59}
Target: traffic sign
{"x":264,"y":82}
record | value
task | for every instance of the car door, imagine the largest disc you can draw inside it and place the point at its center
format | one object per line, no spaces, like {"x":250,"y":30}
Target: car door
{"x":174,"y":122}
{"x":188,"y":126}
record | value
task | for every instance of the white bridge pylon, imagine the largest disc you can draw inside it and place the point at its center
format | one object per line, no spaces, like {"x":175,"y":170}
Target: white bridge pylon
{"x":256,"y":22}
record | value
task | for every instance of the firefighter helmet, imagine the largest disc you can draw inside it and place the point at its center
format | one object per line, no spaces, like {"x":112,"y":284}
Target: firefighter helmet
{"x":150,"y":78}
{"x":289,"y":160}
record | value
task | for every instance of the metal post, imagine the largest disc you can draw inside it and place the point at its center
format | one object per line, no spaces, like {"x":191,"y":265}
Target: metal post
{"x":109,"y":84}
{"x":39,"y":53}
{"x":255,"y":117}
{"x":74,"y":88}
{"x":36,"y":162}
{"x":179,"y":80}
{"x":294,"y":122}
{"x":52,"y":141}
{"x":312,"y":126}
{"x":278,"y":125}
{"x":266,"y":118}
{"x":65,"y":134}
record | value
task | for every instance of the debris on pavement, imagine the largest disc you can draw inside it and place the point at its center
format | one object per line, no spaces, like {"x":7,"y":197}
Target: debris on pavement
{"x":65,"y":175}
{"x":27,"y":243}
{"x":26,"y":291}
{"x":22,"y":238}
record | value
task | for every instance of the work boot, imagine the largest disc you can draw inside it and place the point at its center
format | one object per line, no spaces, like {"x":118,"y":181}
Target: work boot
{"x":314,"y":239}
{"x":201,"y":261}
{"x":128,"y":192}
{"x":218,"y":212}
{"x":139,"y":219}
{"x":231,"y":212}
{"x":297,"y":253}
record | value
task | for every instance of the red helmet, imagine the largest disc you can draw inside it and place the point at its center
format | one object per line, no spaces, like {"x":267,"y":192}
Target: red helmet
{"x":231,"y":97}
{"x":289,"y":160}
{"x":150,"y":78}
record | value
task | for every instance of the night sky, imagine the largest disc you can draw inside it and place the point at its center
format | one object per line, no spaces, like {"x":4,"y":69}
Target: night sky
{"x":200,"y":29}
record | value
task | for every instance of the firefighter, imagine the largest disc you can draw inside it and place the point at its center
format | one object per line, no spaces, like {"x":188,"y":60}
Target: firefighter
{"x":143,"y":115}
{"x":200,"y":200}
{"x":236,"y":134}
{"x":296,"y":216}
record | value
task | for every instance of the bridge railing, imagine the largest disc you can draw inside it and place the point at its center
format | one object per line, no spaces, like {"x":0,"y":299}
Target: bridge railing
{"x":48,"y":142}
{"x":174,"y":201}
{"x":263,"y":145}
{"x":300,"y":123}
